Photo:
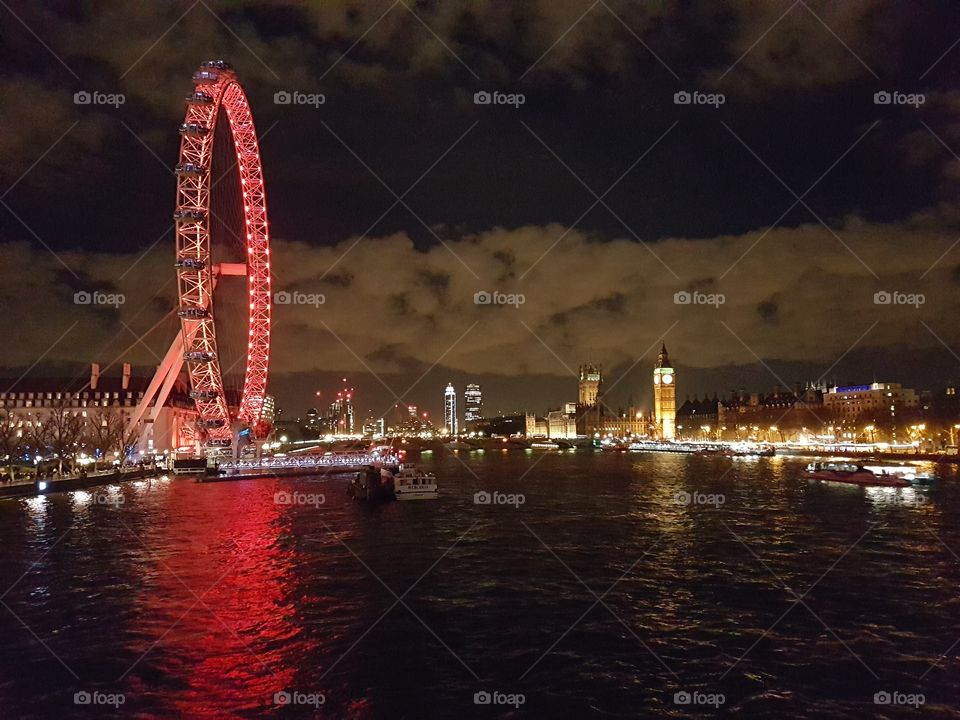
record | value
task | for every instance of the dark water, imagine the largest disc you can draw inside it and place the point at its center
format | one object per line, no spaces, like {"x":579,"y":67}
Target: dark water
{"x":599,"y":596}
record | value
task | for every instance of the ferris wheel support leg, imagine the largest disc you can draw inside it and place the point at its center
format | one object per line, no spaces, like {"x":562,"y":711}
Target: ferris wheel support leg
{"x":157,"y":392}
{"x":236,"y":428}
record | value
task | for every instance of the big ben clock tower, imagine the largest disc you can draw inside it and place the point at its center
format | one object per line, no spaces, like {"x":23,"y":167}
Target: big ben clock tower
{"x":665,"y":395}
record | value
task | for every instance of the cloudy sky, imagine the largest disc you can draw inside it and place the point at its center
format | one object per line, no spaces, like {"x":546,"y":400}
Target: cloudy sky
{"x":780,"y":201}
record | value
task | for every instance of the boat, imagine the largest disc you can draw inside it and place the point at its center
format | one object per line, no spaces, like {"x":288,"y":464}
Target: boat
{"x":374,"y":484}
{"x":910,"y":473}
{"x":664,"y":446}
{"x":410,"y":483}
{"x":752,"y":450}
{"x":852,"y":474}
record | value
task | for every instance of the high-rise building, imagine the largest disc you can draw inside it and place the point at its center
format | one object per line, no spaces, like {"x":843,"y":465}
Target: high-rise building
{"x":665,"y":395}
{"x":450,"y":409}
{"x":269,"y":411}
{"x":591,"y":385}
{"x":472,"y":403}
{"x":374,"y":428}
{"x":341,"y":415}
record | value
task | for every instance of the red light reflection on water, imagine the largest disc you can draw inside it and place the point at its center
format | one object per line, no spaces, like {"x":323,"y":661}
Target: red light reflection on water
{"x":219,"y":626}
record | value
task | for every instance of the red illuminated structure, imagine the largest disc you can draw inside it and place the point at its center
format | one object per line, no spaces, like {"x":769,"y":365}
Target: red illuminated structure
{"x":216,"y":87}
{"x":216,"y":106}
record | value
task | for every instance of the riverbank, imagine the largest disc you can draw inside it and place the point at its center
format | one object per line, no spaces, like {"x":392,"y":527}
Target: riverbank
{"x":47,"y":486}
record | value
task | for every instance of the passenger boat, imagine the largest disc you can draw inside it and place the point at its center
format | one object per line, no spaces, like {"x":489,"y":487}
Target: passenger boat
{"x":852,"y":474}
{"x":750,"y":450}
{"x":190,"y":466}
{"x":545,"y":445}
{"x":910,"y":473}
{"x":410,"y":483}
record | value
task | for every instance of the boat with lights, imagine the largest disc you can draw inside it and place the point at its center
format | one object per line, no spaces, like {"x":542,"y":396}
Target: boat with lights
{"x":853,"y":474}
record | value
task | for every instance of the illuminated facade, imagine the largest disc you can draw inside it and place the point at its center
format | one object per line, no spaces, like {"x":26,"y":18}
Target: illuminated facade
{"x":591,"y":385}
{"x":450,"y":409}
{"x":374,"y":428}
{"x":665,"y":395}
{"x":632,"y":423}
{"x":110,"y":402}
{"x":472,"y":403}
{"x":874,"y":401}
{"x":269,"y":413}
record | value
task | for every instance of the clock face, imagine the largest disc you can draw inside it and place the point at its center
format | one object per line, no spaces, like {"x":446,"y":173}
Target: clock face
{"x":656,"y":379}
{"x":667,"y":379}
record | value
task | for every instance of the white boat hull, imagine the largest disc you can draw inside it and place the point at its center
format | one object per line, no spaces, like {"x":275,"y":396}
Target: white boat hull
{"x":417,"y":495}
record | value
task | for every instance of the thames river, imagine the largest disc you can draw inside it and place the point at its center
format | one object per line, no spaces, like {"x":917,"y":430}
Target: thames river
{"x":576,"y":585}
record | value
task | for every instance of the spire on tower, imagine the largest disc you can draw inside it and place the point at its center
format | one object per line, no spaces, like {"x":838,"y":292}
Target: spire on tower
{"x":663,"y":359}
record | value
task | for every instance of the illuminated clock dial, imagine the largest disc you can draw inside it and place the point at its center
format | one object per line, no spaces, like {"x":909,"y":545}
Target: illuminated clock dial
{"x":667,"y":379}
{"x":656,"y":379}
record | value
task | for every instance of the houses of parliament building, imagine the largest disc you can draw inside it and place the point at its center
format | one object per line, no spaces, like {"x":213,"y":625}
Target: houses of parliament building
{"x":590,"y":416}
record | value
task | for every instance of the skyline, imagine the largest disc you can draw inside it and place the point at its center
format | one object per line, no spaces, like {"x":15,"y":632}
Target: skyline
{"x":681,"y":397}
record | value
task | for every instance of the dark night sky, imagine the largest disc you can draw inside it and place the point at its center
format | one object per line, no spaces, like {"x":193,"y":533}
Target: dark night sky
{"x":799,"y":83}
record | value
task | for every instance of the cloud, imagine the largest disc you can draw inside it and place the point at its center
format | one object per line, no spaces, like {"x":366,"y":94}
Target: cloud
{"x":791,"y":295}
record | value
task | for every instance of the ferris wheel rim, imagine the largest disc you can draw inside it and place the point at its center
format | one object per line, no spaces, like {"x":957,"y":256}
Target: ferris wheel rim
{"x":217,"y":88}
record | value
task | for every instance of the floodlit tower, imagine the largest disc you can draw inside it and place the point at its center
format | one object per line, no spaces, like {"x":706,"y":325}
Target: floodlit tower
{"x":450,"y":409}
{"x":591,"y":382}
{"x":665,"y":395}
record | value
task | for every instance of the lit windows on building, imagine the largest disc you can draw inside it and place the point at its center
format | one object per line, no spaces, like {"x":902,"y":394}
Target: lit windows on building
{"x":450,"y":410}
{"x":472,"y":403}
